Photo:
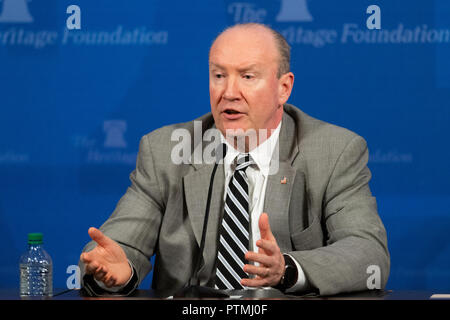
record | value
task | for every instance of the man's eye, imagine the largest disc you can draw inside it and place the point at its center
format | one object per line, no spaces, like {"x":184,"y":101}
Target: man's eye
{"x":248,"y":76}
{"x":219,"y":76}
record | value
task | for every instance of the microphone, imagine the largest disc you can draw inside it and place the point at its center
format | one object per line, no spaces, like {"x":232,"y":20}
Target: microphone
{"x":193,"y":288}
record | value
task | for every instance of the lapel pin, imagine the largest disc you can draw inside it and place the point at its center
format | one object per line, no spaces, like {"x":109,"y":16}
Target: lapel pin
{"x":284,"y":180}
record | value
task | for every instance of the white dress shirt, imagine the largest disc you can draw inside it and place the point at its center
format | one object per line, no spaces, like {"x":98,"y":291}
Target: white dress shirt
{"x":257,"y":176}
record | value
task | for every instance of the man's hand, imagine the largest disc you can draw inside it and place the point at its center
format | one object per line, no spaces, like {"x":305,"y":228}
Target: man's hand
{"x":269,"y":256}
{"x":107,"y":262}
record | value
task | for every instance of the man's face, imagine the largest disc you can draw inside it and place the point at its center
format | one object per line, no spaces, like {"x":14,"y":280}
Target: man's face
{"x":245,"y":92}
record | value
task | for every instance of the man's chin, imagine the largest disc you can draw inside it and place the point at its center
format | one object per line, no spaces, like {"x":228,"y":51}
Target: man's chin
{"x":237,"y":130}
{"x":243,"y":138}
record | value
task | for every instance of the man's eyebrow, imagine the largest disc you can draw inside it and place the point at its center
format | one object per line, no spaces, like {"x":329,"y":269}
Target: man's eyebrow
{"x":241,"y":69}
{"x":215,"y":65}
{"x":249,"y":67}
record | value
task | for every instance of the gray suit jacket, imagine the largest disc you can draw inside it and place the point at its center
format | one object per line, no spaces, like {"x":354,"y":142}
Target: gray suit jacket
{"x":324,"y":216}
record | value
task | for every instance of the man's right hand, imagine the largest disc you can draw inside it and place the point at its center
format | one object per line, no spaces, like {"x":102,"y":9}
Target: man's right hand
{"x":107,"y":262}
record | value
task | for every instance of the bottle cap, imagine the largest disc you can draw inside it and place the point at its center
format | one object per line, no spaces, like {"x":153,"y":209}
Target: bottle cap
{"x":35,"y":238}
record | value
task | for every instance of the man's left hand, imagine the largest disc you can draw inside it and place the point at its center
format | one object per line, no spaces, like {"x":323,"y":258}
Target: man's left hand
{"x":269,"y":257}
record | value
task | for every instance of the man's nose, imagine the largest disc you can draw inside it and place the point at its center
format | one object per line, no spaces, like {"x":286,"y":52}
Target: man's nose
{"x":232,"y":91}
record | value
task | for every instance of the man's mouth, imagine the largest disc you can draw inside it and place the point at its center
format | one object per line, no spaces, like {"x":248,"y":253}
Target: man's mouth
{"x":230,"y":111}
{"x":232,"y":114}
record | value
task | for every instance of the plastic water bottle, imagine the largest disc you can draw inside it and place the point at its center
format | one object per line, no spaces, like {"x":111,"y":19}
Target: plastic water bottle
{"x":36,"y":269}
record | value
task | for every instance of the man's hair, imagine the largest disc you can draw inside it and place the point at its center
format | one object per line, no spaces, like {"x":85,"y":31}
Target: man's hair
{"x":284,"y":49}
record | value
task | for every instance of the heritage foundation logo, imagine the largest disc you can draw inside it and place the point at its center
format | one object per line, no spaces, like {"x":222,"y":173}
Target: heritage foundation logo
{"x":114,"y":131}
{"x":294,"y":11}
{"x":15,"y":11}
{"x":107,"y":146}
{"x":292,"y":18}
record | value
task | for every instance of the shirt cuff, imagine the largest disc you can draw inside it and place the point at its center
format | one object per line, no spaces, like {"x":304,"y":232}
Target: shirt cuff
{"x":117,"y":288}
{"x":302,"y":283}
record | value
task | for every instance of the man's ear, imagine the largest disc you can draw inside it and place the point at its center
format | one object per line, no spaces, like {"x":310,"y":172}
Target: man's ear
{"x":286,"y":82}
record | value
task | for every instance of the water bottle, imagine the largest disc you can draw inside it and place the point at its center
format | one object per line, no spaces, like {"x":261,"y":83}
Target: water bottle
{"x":36,"y":269}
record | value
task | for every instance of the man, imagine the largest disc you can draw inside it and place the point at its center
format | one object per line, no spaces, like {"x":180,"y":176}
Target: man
{"x":310,"y":225}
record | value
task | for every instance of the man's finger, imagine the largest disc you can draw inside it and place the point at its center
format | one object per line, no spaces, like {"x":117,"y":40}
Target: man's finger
{"x":100,"y":273}
{"x":261,"y":271}
{"x":259,"y":257}
{"x":264,"y":227}
{"x":256,"y":282}
{"x":92,"y":267}
{"x":85,"y":257}
{"x":268,"y":246}
{"x":99,"y":237}
{"x":109,"y":282}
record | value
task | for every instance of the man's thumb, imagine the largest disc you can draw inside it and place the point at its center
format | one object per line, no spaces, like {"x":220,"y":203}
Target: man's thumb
{"x":264,"y":227}
{"x":99,"y":237}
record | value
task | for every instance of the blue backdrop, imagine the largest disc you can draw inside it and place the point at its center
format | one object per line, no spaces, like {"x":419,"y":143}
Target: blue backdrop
{"x":74,"y":104}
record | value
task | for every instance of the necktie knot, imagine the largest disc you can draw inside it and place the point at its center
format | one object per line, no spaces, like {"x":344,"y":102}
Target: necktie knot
{"x":243,"y":161}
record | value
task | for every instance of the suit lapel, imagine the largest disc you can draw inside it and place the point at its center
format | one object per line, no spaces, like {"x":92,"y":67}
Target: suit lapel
{"x":196,"y":185}
{"x":280,"y":182}
{"x":276,"y":203}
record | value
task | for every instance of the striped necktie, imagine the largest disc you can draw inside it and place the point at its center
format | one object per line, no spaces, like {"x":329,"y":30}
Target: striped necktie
{"x":234,"y":232}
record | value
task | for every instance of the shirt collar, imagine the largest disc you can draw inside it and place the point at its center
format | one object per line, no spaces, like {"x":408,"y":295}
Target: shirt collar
{"x":262,"y":154}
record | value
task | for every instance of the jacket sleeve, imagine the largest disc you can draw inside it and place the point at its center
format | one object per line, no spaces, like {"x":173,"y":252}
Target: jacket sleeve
{"x":135,"y":222}
{"x":357,"y":241}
